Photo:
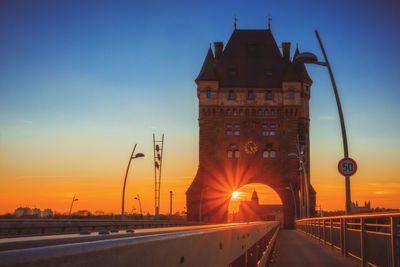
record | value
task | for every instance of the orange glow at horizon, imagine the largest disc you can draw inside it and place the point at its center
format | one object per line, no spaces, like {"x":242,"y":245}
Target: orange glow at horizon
{"x":95,"y":175}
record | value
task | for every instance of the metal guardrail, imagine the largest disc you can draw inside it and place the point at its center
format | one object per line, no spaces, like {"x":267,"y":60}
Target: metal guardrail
{"x":239,"y":244}
{"x":27,"y":227}
{"x":371,"y":238}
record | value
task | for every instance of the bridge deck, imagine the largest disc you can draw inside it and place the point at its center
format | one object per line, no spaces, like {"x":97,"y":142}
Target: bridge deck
{"x":297,"y":249}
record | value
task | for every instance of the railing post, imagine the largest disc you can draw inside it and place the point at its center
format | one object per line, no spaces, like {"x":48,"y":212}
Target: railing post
{"x":331,"y":233}
{"x":395,"y":245}
{"x":363,"y":243}
{"x":344,"y":237}
{"x":323,"y":231}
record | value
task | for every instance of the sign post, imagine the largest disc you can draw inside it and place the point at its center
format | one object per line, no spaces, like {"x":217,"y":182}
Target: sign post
{"x":347,"y":167}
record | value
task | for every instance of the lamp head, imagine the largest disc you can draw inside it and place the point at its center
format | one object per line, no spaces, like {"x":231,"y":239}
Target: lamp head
{"x":306,"y":57}
{"x":139,"y":155}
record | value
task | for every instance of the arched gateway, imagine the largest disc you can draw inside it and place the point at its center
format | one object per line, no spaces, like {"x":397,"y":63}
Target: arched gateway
{"x":253,"y":112}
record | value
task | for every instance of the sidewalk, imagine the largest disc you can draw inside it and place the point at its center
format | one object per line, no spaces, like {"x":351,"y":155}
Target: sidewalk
{"x":294,"y":248}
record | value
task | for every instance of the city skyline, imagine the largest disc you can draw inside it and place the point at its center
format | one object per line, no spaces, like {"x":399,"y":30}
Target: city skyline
{"x":80,"y":84}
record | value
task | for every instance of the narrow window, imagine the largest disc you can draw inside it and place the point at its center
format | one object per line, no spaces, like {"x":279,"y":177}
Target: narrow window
{"x":229,"y":125}
{"x":265,"y":154}
{"x":228,"y":132}
{"x":269,"y":94}
{"x":307,"y":87}
{"x":272,"y":112}
{"x":272,"y":133}
{"x":250,"y":94}
{"x":237,"y":125}
{"x":234,"y":112}
{"x":237,"y":154}
{"x":265,"y":133}
{"x":241,"y":112}
{"x":236,"y":132}
{"x":228,"y":112}
{"x":272,"y":154}
{"x":229,"y":154}
{"x":272,"y":126}
{"x":208,"y":93}
{"x":264,"y":126}
{"x":233,"y":146}
{"x":266,"y":112}
{"x":231,"y":94}
{"x":259,"y":112}
{"x":291,"y":94}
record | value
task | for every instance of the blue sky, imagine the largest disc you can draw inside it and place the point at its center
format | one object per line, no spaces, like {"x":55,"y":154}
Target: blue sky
{"x":102,"y":75}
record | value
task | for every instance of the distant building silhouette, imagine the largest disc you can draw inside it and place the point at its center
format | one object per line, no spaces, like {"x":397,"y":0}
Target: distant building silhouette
{"x":36,"y":212}
{"x":355,"y":208}
{"x":253,"y":211}
{"x":47,"y":213}
{"x":22,"y":212}
{"x":26,"y":211}
{"x":82,"y":213}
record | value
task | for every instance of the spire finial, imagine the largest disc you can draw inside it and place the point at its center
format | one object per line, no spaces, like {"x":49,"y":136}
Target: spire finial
{"x":235,"y":21}
{"x":269,"y":22}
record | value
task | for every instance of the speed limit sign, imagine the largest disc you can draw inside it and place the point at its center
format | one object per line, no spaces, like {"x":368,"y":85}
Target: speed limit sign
{"x":347,"y":166}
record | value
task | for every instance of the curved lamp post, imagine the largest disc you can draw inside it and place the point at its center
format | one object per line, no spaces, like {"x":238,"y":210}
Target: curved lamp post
{"x":303,"y":186}
{"x":138,"y":155}
{"x":308,"y":57}
{"x":140,"y":205}
{"x":72,"y":203}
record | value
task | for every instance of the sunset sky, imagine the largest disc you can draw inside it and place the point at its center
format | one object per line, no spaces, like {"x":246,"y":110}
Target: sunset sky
{"x":82,"y":81}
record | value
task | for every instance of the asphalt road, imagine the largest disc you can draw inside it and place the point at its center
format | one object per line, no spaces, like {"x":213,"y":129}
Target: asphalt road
{"x":297,"y":249}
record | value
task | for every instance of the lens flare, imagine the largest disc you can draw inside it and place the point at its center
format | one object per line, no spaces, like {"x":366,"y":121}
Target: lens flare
{"x":235,"y":194}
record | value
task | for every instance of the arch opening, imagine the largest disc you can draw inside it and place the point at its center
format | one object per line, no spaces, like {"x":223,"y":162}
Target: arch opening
{"x":255,"y":202}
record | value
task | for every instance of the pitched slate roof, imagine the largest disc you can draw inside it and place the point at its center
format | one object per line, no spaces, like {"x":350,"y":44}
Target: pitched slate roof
{"x":207,"y":72}
{"x":251,"y":58}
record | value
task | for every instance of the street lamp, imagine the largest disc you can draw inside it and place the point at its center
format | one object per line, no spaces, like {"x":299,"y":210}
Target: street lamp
{"x":303,"y":184}
{"x":138,"y":155}
{"x":140,"y":205}
{"x":308,"y":57}
{"x":72,"y":203}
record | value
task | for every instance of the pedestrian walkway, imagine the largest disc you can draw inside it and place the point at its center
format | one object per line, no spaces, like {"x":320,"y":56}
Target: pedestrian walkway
{"x":294,"y":248}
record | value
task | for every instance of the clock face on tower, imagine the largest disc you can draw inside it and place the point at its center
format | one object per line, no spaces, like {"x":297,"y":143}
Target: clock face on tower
{"x":250,"y":147}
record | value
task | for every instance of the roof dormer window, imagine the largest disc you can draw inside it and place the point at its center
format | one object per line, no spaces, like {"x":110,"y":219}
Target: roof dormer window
{"x":232,"y":72}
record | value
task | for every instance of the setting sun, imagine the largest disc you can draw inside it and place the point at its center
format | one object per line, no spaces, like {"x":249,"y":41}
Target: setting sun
{"x":235,"y":194}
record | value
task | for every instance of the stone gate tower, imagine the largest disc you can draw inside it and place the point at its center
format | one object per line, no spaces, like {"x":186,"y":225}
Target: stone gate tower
{"x":253,"y":112}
